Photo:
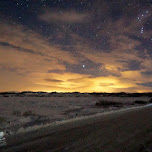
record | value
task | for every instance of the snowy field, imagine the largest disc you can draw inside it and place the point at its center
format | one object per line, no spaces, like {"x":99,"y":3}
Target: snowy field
{"x":17,"y":112}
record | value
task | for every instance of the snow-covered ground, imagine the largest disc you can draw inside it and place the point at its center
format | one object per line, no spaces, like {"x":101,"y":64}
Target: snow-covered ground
{"x":22,"y":112}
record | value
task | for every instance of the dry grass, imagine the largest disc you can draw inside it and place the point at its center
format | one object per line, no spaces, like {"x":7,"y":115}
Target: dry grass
{"x":24,"y":110}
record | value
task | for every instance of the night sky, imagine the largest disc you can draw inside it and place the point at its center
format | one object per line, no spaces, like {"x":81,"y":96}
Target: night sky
{"x":76,"y":45}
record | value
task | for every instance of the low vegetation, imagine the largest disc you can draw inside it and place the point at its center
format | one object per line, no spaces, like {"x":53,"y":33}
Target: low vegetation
{"x":105,"y":103}
{"x":2,"y":119}
{"x":17,"y":113}
{"x":28,"y":113}
{"x":24,"y":114}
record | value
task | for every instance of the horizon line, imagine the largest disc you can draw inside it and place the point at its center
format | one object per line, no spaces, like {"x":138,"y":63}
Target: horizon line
{"x":68,"y":92}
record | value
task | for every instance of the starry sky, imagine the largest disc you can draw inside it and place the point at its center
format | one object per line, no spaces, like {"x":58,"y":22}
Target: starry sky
{"x":76,"y":45}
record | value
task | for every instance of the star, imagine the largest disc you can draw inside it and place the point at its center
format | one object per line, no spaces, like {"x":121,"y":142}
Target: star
{"x":147,"y":12}
{"x":142,"y":30}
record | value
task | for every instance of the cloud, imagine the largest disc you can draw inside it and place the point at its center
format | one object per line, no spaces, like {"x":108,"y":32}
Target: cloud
{"x":23,"y":39}
{"x":24,"y":49}
{"x":66,"y":17}
{"x":53,"y":80}
{"x":71,"y":82}
{"x":148,"y":84}
{"x":26,"y":62}
{"x":121,"y":60}
{"x":22,"y":52}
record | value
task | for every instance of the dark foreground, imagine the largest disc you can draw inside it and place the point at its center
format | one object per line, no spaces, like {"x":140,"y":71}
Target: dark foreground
{"x":123,"y":131}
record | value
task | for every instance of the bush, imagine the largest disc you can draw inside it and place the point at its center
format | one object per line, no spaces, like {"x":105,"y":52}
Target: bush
{"x":28,"y":113}
{"x":140,"y":102}
{"x":105,"y":103}
{"x":2,"y":119}
{"x":24,"y":114}
{"x":17,"y":113}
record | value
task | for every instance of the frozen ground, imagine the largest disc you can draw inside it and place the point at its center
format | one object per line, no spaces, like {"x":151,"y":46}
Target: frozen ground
{"x":17,"y":112}
{"x":89,"y":133}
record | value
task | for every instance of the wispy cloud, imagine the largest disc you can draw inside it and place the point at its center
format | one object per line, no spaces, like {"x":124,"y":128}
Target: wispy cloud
{"x":23,"y":52}
{"x":66,"y":17}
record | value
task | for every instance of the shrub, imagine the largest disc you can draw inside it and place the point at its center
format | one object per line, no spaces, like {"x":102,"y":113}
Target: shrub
{"x":2,"y":119}
{"x":105,"y":103}
{"x":28,"y":113}
{"x":24,"y":114}
{"x":140,"y":102}
{"x":17,"y":113}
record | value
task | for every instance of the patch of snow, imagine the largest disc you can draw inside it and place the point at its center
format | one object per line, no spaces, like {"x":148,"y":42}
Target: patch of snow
{"x":2,"y":139}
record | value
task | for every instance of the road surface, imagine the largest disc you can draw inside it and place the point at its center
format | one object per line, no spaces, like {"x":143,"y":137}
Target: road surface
{"x":121,"y":131}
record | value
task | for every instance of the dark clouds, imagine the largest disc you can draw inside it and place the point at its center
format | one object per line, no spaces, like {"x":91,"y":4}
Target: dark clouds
{"x":69,"y":45}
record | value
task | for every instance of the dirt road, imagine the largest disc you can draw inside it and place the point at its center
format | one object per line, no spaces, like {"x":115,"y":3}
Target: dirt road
{"x":121,"y":131}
